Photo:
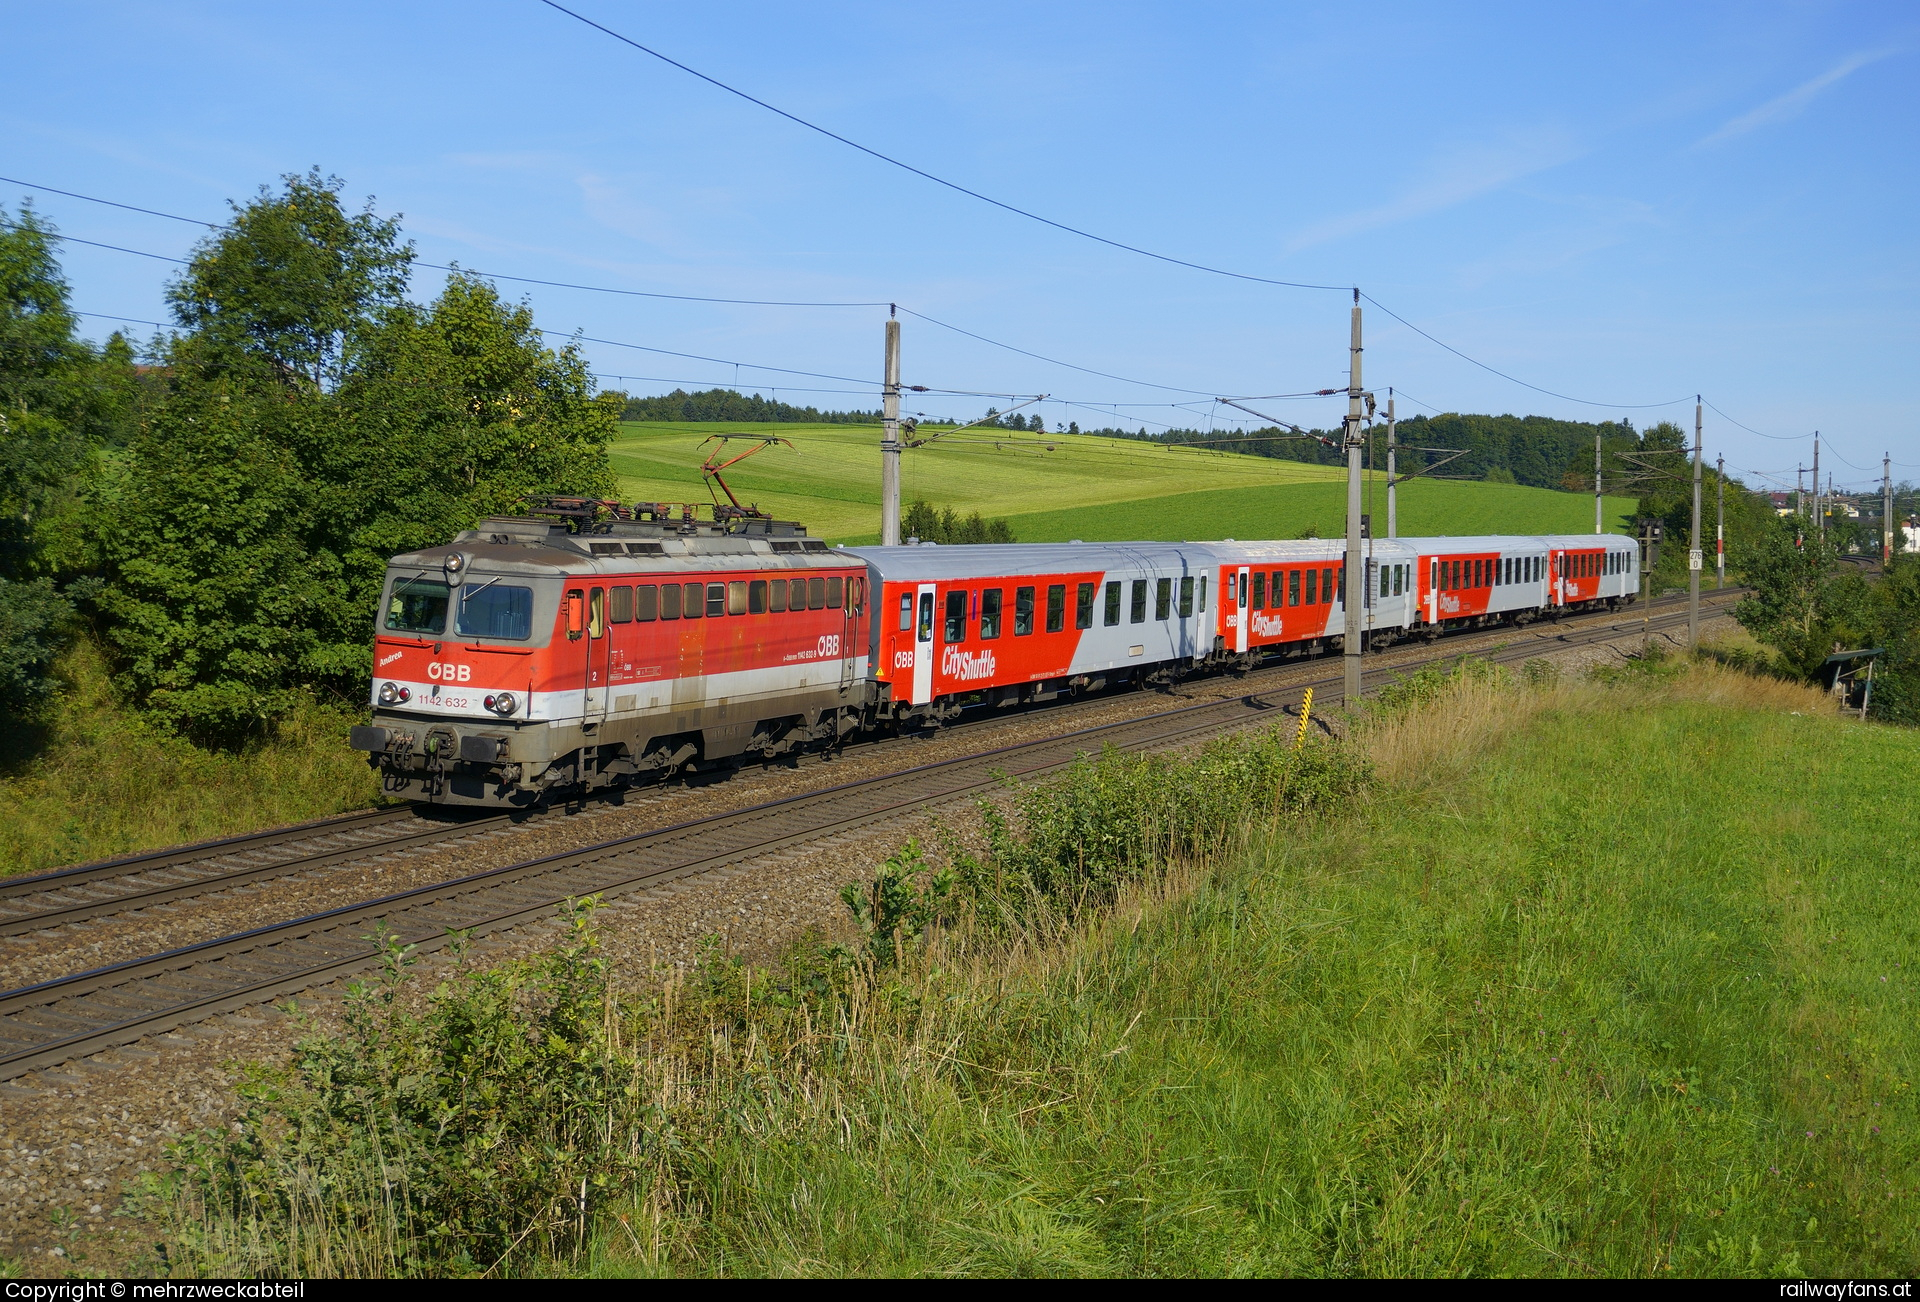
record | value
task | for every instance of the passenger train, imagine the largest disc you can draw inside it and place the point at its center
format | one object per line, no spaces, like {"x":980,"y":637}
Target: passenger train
{"x":591,"y":644}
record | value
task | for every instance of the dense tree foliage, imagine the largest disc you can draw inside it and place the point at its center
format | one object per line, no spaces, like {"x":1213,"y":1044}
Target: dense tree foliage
{"x":53,"y":411}
{"x":313,"y":422}
{"x":1806,"y":605}
{"x":943,"y":525}
{"x":710,"y":405}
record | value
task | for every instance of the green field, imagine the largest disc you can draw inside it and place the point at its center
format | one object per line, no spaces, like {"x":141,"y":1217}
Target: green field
{"x":1052,"y":488}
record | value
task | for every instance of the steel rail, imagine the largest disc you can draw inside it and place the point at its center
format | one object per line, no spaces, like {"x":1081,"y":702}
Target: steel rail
{"x":88,"y":1012}
{"x":69,"y":896}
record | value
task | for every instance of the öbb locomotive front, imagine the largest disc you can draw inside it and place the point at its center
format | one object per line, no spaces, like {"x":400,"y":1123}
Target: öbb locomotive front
{"x":595,"y":644}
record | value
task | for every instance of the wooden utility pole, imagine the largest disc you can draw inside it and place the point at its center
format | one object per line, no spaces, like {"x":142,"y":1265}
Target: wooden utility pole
{"x":1819,"y":512}
{"x":1598,"y":515}
{"x":1720,"y":523}
{"x":1693,"y":542}
{"x":1886,"y":507}
{"x":1355,"y":587}
{"x":1393,"y":519}
{"x":1800,"y":492}
{"x":890,"y":439}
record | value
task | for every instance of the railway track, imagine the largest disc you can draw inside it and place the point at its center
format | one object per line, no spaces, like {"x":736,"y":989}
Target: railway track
{"x":76,"y":1016}
{"x":71,"y":896}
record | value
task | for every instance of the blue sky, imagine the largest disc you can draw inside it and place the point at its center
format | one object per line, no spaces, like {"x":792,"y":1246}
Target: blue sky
{"x":1627,"y":203}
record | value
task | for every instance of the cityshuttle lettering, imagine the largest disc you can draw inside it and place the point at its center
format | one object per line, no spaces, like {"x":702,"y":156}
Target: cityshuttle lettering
{"x":966,"y":665}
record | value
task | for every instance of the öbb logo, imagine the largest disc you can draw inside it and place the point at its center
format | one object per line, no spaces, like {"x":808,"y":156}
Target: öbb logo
{"x":450,"y":673}
{"x":965,"y":665}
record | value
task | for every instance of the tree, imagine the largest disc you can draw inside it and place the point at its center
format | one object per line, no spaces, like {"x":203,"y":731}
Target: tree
{"x":944,"y":526}
{"x":47,"y":421}
{"x":1793,"y":606}
{"x":313,"y":423}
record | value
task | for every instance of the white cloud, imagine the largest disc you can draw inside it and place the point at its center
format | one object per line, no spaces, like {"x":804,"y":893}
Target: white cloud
{"x":1792,"y":104}
{"x":1453,"y":179}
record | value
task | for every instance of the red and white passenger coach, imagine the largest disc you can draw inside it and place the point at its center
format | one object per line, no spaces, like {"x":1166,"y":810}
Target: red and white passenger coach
{"x":541,"y":656}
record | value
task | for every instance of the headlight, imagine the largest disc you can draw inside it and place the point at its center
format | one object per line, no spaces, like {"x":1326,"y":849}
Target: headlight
{"x":502,"y":704}
{"x":390,"y":694}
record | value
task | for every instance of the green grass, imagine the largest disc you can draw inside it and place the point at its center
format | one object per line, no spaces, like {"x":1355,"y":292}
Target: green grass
{"x":1634,"y":995}
{"x":1065,"y":486}
{"x":93,"y":781}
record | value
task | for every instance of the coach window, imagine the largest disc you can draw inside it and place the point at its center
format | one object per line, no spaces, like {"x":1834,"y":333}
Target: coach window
{"x":1022,"y":611}
{"x":1056,"y":607}
{"x":1313,"y":587}
{"x":1232,"y":587}
{"x":1259,"y":590}
{"x":1386,"y":580}
{"x":1203,"y":594}
{"x":1137,"y":607}
{"x":990,"y":613}
{"x":956,"y":630}
{"x":926,"y":617}
{"x":1186,"y":597}
{"x":1083,"y":606}
{"x":1293,"y":587}
{"x":597,"y":613}
{"x":693,"y":604}
{"x":1113,"y":604}
{"x":1163,"y":599}
{"x":757,"y":597}
{"x":906,"y":611}
{"x":646,"y":603}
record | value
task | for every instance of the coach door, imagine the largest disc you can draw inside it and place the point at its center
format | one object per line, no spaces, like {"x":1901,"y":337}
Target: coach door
{"x":599,"y":656}
{"x":1240,"y":611}
{"x":923,"y":646}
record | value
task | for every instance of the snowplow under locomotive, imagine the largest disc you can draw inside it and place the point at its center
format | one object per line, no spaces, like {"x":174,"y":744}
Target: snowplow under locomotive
{"x":592,"y":645}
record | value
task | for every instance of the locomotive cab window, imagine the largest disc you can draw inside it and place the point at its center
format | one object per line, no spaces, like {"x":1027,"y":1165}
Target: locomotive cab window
{"x":597,"y":613}
{"x":417,"y":606}
{"x":1022,"y":611}
{"x":1083,"y":606}
{"x":956,"y":630}
{"x":491,"y":609}
{"x":1113,"y":605}
{"x":1056,"y":607}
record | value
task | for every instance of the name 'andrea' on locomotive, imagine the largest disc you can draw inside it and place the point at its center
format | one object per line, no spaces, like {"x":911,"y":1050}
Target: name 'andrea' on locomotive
{"x":589,"y":644}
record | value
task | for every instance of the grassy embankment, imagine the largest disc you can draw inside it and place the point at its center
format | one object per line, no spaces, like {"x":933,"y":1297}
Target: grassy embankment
{"x":92,"y":781}
{"x":1598,"y":980}
{"x":1054,"y":487}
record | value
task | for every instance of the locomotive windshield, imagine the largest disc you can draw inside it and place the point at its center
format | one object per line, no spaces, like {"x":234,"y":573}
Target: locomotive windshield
{"x":418,"y":605}
{"x":492,"y":609}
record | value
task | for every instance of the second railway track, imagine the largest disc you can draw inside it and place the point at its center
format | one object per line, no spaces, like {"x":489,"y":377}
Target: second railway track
{"x":75,"y":1016}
